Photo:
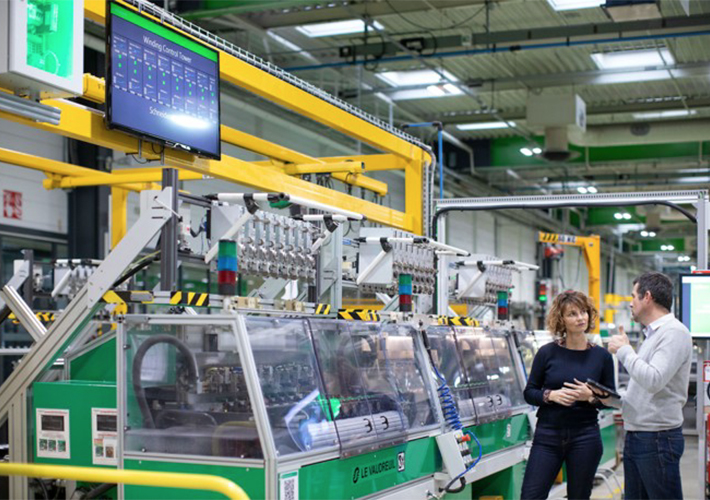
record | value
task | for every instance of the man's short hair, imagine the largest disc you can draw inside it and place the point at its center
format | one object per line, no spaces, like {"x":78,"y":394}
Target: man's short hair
{"x":660,"y":286}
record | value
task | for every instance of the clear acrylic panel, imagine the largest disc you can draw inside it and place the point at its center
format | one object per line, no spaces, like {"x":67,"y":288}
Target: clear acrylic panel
{"x":507,"y":380}
{"x":363,"y":401}
{"x":290,"y":382}
{"x":443,"y":346}
{"x":185,"y":392}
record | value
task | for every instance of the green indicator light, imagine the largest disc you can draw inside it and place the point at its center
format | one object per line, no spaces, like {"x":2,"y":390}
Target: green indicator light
{"x":135,"y":71}
{"x":120,"y":65}
{"x":120,"y":56}
{"x":150,"y":77}
{"x":177,"y":88}
{"x":203,"y":98}
{"x":135,"y":62}
{"x":190,"y":93}
{"x":543,"y":298}
{"x":212,"y":94}
{"x":163,"y":82}
{"x":163,"y":73}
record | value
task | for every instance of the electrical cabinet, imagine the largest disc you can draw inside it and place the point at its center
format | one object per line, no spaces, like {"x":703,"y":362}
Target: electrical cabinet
{"x":42,"y":47}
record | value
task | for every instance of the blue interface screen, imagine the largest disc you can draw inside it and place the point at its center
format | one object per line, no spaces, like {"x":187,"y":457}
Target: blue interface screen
{"x":163,"y":90}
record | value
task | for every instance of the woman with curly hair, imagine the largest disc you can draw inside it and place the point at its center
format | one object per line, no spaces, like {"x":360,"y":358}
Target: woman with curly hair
{"x":567,"y":427}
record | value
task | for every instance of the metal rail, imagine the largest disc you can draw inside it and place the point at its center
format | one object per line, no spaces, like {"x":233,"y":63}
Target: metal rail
{"x":203,"y":482}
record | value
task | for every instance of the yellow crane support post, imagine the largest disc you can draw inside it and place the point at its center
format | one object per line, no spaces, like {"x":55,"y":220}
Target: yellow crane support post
{"x":591,"y":251}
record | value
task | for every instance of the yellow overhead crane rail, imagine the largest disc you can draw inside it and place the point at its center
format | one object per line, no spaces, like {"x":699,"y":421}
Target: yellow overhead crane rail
{"x":591,"y":250}
{"x":277,"y":174}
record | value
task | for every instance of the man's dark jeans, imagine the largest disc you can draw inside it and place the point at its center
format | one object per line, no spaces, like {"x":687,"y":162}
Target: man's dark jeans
{"x":581,"y":449}
{"x":652,"y":465}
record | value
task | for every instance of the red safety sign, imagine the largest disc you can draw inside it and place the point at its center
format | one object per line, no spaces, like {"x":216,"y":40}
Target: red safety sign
{"x":12,"y":204}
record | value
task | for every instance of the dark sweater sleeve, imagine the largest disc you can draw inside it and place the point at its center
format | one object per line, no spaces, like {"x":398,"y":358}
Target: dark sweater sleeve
{"x":536,"y":380}
{"x":607,"y":378}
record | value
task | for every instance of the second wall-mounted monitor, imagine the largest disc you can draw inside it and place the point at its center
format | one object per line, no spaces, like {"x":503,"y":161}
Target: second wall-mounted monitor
{"x":162,"y":85}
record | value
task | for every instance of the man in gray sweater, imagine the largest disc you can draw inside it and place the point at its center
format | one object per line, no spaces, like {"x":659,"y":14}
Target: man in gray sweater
{"x":652,"y":405}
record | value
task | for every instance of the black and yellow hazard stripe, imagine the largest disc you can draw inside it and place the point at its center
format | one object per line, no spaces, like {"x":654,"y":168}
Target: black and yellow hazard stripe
{"x":190,"y":299}
{"x":45,"y":317}
{"x":358,"y":315}
{"x":323,"y":309}
{"x":549,"y":237}
{"x":457,"y":321}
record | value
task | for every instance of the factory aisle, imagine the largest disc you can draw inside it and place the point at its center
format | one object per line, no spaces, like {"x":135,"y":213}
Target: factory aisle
{"x":688,"y":470}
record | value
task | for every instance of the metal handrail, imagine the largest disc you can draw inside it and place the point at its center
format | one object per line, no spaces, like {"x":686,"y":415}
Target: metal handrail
{"x":141,"y":478}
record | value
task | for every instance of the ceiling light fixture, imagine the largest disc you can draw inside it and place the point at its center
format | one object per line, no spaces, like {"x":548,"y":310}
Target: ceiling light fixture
{"x":633,"y":58}
{"x":618,"y":216}
{"x":537,"y":151}
{"x":347,"y":27}
{"x":651,"y":234}
{"x":592,"y":189}
{"x":575,"y":4}
{"x":526,"y":151}
{"x":627,"y":215}
{"x":670,"y":113}
{"x":582,"y":190}
{"x":644,"y":234}
{"x":484,"y":125}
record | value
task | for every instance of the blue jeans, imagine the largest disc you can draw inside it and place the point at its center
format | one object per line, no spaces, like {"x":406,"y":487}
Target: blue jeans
{"x":652,"y":464}
{"x":581,"y":449}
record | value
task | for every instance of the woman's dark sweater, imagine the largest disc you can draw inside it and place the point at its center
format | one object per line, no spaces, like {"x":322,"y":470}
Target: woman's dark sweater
{"x":552,"y":367}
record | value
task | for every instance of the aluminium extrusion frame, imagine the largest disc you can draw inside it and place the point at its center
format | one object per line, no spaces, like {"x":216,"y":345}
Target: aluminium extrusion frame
{"x":697,"y":198}
{"x":14,"y":391}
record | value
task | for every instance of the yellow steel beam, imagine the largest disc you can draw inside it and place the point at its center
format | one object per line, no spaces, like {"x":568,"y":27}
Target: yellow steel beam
{"x":281,"y":92}
{"x":372,"y":163}
{"x":202,"y":482}
{"x":94,"y":88}
{"x":119,"y":206}
{"x":114,"y":180}
{"x":55,"y":167}
{"x":264,"y":147}
{"x":413,"y":201}
{"x":324,"y":168}
{"x":87,"y":125}
{"x":254,"y":176}
{"x":359,"y":180}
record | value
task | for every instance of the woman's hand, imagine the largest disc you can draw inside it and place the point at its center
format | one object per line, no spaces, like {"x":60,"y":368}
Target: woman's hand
{"x":581,"y":391}
{"x":564,"y":397}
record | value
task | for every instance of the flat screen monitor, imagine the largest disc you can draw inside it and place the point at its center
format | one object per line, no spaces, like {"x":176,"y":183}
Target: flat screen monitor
{"x":695,"y":303}
{"x":161,"y":85}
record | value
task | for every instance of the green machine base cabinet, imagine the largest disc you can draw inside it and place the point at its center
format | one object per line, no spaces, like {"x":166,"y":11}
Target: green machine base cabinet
{"x":357,"y":476}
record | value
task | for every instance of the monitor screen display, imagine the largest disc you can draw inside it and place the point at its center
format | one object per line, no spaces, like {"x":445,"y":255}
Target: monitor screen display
{"x":695,"y":303}
{"x":162,"y":85}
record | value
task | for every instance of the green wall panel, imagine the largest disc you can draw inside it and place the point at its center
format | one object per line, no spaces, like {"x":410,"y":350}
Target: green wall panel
{"x":251,"y":480}
{"x":506,"y":483}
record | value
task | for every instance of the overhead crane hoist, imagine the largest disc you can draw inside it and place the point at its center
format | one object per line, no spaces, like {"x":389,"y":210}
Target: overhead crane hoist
{"x":590,"y":246}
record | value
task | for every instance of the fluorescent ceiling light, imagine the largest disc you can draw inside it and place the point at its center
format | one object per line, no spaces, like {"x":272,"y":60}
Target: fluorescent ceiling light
{"x":582,"y":190}
{"x":436,"y":85}
{"x":526,"y":151}
{"x":416,"y":77}
{"x":336,"y":28}
{"x":484,"y":125}
{"x":592,"y":190}
{"x":633,"y":58}
{"x":618,"y":216}
{"x":633,"y":76}
{"x":651,"y":234}
{"x":575,"y":4}
{"x":537,"y":151}
{"x":670,"y":113}
{"x":644,"y":234}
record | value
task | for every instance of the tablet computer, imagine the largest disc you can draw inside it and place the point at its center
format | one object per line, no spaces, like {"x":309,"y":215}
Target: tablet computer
{"x":603,"y":389}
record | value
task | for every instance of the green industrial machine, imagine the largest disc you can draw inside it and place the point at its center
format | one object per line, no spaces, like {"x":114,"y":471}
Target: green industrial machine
{"x":287,"y":407}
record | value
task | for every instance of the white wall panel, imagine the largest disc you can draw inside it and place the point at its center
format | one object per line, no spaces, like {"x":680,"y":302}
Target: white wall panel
{"x":41,"y":209}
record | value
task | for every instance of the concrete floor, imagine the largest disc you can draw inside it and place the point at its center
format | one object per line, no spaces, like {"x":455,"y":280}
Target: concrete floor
{"x":688,"y":471}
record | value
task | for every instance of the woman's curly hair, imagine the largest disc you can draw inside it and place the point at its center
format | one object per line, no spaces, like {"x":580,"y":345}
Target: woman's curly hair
{"x":555,"y":320}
